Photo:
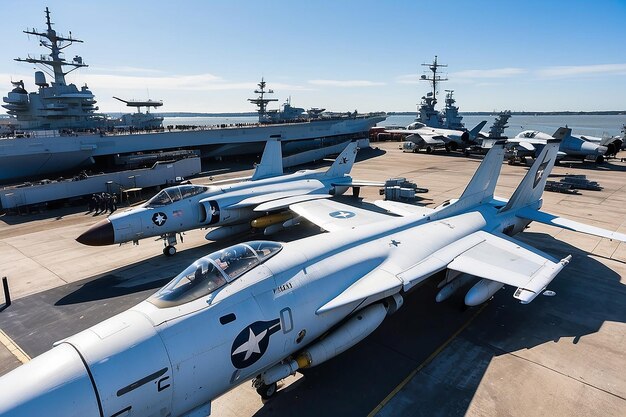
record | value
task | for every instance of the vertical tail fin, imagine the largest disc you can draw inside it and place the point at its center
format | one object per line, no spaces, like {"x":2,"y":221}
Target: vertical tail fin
{"x":271,"y":162}
{"x":482,"y":185}
{"x":476,"y":130}
{"x":562,"y":132}
{"x":343,"y":163}
{"x":531,"y":187}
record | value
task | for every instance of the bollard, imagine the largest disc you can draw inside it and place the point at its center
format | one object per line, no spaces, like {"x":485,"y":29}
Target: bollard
{"x":7,"y":295}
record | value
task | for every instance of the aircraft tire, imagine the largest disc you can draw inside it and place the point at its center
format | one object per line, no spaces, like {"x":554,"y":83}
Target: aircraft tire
{"x":169,"y":251}
{"x":267,"y":391}
{"x":429,"y":149}
{"x":599,"y":159}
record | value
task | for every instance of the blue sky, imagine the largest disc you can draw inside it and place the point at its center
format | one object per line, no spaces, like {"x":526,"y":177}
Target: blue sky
{"x":207,"y":56}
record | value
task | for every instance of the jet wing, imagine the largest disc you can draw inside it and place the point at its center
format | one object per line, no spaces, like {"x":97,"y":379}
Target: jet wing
{"x":494,"y":257}
{"x":510,"y":262}
{"x":332,"y":216}
{"x":263,"y":198}
{"x":401,"y":131}
{"x":552,"y":220}
{"x":403,"y":209}
{"x":434,"y":140}
{"x":282,"y":203}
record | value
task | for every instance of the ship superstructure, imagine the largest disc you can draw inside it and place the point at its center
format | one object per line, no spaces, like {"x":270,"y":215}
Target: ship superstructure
{"x":452,"y":117}
{"x":62,"y":132}
{"x":499,"y":125}
{"x":449,"y":117}
{"x":56,"y":105}
{"x":426,"y":112}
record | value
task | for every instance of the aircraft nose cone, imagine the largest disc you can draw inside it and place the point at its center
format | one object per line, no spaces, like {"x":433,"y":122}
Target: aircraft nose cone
{"x":100,"y":234}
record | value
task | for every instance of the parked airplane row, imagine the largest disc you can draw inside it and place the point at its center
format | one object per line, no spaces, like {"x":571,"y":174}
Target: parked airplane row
{"x":528,"y":143}
{"x":262,"y":202}
{"x":263,"y":310}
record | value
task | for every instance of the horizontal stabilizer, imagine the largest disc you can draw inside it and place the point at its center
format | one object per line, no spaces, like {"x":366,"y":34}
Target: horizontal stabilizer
{"x":403,"y":209}
{"x":282,"y":203}
{"x":552,"y":220}
{"x":376,"y":285}
{"x":359,"y":183}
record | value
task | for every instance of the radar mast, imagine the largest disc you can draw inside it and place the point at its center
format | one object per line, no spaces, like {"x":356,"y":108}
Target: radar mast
{"x":434,"y":78}
{"x":261,"y":102}
{"x":55,"y":43}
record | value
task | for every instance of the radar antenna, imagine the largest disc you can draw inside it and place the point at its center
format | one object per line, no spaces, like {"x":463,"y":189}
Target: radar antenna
{"x":55,"y":43}
{"x":261,"y":102}
{"x":434,"y":78}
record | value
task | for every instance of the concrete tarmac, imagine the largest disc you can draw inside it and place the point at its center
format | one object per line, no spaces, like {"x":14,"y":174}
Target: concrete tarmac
{"x":562,"y":355}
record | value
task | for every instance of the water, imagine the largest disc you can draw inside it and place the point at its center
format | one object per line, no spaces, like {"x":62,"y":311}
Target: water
{"x":580,"y":124}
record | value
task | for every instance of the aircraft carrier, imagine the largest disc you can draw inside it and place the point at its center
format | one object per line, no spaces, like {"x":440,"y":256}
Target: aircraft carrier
{"x":59,"y":129}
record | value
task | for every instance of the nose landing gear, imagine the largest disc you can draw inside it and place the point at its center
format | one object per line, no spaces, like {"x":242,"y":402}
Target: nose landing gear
{"x":169,"y":240}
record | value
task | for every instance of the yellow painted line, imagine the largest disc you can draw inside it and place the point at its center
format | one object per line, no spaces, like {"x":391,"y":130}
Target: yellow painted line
{"x":13,"y":347}
{"x":426,"y":362}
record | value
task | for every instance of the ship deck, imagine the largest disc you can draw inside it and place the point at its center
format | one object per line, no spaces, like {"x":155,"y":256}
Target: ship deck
{"x":562,"y":355}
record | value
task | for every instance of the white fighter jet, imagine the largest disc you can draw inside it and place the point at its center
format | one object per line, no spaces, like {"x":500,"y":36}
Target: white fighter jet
{"x":530,"y":142}
{"x":430,"y":138}
{"x":263,"y":310}
{"x":229,"y":209}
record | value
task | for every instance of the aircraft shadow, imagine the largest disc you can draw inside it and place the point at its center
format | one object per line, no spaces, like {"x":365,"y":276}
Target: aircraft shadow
{"x":354,"y":383}
{"x":155,"y":272}
{"x":592,"y":166}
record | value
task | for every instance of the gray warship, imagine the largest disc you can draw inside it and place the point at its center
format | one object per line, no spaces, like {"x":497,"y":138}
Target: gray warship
{"x":449,"y":117}
{"x":59,"y":129}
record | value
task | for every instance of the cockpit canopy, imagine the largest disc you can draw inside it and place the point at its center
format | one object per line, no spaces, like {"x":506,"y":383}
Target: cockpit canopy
{"x":173,"y":194}
{"x":415,"y":126}
{"x":214,"y":271}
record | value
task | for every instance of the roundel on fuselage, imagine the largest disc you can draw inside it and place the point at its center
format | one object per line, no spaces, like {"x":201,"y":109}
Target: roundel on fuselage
{"x":252,"y":342}
{"x":159,"y":218}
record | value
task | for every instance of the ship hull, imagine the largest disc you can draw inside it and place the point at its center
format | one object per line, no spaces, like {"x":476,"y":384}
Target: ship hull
{"x":24,"y":158}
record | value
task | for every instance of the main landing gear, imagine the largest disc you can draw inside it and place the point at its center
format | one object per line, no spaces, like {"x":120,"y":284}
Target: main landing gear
{"x":267,"y":391}
{"x":169,"y":240}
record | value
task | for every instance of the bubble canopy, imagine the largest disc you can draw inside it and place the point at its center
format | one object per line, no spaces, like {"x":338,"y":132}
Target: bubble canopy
{"x":214,"y":271}
{"x":172,"y":194}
